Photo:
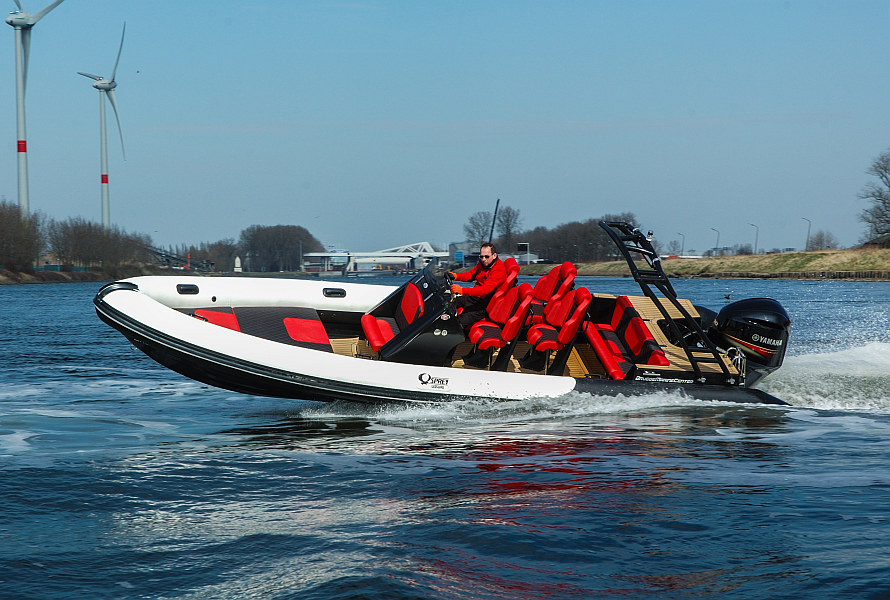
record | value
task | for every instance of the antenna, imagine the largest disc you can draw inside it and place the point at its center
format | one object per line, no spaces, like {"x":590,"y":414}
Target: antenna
{"x":493,"y":219}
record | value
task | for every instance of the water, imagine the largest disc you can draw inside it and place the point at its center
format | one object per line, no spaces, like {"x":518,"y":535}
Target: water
{"x":120,"y":479}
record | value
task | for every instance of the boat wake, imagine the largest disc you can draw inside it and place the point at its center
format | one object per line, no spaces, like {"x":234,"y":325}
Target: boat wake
{"x":854,"y":379}
{"x":851,"y":379}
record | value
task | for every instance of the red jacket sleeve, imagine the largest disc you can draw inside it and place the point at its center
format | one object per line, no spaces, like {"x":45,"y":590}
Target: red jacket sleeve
{"x":496,"y":276}
{"x":467,"y":275}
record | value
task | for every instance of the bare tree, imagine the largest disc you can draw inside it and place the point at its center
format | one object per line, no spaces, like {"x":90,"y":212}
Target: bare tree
{"x":21,"y":239}
{"x":508,"y":225}
{"x":877,"y":216}
{"x":81,"y":243}
{"x":673,"y":247}
{"x":582,"y":241}
{"x":478,"y":227}
{"x":822,"y":240}
{"x":277,"y":248}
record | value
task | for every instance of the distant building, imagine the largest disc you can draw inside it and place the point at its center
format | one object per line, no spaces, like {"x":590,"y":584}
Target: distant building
{"x":882,"y":241}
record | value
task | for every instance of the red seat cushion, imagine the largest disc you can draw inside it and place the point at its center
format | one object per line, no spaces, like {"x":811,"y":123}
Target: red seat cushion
{"x":306,"y":330}
{"x":608,"y":348}
{"x":222,"y":317}
{"x":411,"y":305}
{"x":378,"y":331}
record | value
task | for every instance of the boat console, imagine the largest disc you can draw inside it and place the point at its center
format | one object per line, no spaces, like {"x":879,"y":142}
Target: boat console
{"x":416,"y":323}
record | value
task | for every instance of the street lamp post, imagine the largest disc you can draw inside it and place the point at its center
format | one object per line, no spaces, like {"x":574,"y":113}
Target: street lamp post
{"x":683,"y":247}
{"x":756,"y":235}
{"x":809,"y":224}
{"x":717,"y":246}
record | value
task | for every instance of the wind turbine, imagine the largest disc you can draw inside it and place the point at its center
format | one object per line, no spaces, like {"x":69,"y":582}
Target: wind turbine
{"x":106,"y":86}
{"x":23,"y":22}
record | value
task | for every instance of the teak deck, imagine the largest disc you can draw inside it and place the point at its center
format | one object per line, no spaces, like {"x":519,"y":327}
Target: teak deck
{"x":583,"y":360}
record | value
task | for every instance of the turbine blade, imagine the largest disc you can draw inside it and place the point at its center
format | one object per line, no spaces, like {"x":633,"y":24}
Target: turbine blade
{"x":43,"y":12}
{"x":19,"y":4}
{"x":117,"y":118}
{"x":26,"y":52}
{"x":96,"y":77}
{"x":113,"y":71}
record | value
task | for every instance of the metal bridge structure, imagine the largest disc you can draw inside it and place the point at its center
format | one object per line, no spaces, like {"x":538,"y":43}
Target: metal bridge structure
{"x":409,"y":256}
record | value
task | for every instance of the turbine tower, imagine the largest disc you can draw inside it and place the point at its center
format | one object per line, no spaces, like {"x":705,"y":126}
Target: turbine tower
{"x":106,"y":86}
{"x":23,"y":22}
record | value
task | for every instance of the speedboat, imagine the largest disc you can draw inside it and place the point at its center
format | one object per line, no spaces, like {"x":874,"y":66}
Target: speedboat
{"x":327,"y":341}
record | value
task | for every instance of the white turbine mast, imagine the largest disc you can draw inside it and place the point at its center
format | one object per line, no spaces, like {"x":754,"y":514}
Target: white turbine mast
{"x":23,"y":22}
{"x":106,"y":86}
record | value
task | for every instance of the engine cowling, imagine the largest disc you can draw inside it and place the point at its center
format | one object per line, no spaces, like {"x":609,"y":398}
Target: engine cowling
{"x":759,"y":327}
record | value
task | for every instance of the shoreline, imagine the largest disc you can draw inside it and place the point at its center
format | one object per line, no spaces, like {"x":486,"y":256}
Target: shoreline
{"x":856,"y":264}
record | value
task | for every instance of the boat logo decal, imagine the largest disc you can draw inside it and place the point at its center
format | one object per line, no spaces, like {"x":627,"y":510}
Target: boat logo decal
{"x":766,"y":352}
{"x":765,"y":340}
{"x":660,"y":379}
{"x":430,"y":382}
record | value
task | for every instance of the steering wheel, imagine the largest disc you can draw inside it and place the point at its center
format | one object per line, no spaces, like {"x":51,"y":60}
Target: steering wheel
{"x":449,"y":281}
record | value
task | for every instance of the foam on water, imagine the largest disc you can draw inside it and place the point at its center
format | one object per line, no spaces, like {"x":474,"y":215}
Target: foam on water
{"x":851,"y":379}
{"x":486,"y":411}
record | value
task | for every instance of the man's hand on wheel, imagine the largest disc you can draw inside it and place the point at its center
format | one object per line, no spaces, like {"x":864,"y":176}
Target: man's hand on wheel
{"x":456,"y":289}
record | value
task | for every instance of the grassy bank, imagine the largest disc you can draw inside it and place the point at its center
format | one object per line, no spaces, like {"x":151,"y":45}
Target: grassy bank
{"x":841,"y":264}
{"x":8,"y":277}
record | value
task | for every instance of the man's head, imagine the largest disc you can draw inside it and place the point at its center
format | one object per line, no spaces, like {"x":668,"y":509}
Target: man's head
{"x":487,"y":255}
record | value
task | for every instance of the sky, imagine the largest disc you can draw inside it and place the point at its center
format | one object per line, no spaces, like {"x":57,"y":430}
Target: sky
{"x":381,"y":123}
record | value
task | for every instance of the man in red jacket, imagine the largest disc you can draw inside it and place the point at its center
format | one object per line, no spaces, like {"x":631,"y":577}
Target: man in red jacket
{"x":488,"y":274}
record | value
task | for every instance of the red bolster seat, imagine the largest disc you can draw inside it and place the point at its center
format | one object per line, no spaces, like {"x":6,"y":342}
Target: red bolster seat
{"x":552,"y":287}
{"x":505,"y":319}
{"x":563,"y":319}
{"x":377,"y":330}
{"x":380,"y":330}
{"x":624,"y":341}
{"x":609,"y":349}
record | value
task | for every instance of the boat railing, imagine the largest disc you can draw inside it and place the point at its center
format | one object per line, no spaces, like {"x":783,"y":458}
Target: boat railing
{"x":634,"y":246}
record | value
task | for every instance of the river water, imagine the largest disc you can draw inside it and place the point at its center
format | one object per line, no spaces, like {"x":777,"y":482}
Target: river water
{"x":120,"y":479}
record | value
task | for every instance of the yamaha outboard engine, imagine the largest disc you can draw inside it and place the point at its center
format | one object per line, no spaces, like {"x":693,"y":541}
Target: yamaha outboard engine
{"x":759,"y":327}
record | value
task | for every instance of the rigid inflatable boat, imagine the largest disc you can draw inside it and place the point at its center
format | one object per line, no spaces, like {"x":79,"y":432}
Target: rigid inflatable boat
{"x":326,"y":341}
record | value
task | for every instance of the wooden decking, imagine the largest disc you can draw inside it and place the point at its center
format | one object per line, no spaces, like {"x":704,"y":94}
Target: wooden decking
{"x":583,"y":360}
{"x":651,"y":315}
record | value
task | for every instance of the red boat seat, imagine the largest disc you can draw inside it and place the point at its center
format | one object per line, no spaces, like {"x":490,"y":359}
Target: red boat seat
{"x":562,"y":318}
{"x":624,"y":341}
{"x":379,"y":330}
{"x":551,"y":287}
{"x":505,"y":319}
{"x":294,"y":326}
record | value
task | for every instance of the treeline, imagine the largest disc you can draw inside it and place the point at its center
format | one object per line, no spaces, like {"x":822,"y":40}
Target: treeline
{"x":585,"y":241}
{"x":74,"y":242}
{"x":576,"y":241}
{"x":261,"y":249}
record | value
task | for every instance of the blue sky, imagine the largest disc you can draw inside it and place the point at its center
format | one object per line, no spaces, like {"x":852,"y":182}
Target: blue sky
{"x":375,"y":124}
